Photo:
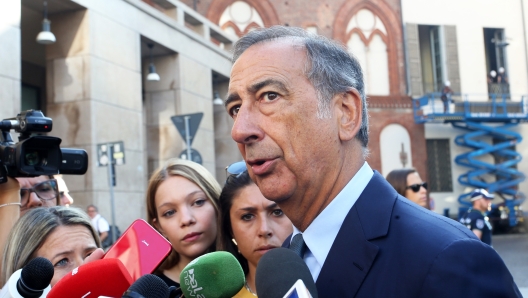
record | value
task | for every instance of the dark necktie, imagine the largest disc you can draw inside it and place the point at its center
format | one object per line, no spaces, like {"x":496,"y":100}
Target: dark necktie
{"x":297,"y":245}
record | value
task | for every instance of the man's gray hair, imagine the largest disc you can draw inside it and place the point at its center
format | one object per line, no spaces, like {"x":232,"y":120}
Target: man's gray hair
{"x":331,"y":68}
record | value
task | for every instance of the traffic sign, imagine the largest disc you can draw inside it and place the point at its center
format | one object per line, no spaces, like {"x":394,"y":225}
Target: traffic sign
{"x":118,"y":153}
{"x":195,"y":156}
{"x":193,"y":121}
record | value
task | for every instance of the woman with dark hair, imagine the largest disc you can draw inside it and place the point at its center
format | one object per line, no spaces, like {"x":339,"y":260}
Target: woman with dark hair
{"x":251,"y":225}
{"x":408,"y":183}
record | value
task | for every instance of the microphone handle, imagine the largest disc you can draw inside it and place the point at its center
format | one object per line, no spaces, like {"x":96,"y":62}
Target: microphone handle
{"x":132,"y":294}
{"x":175,"y":292}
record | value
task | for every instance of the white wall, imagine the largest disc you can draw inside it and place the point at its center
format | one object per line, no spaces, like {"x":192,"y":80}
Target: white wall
{"x":392,"y":138}
{"x":470,"y":17}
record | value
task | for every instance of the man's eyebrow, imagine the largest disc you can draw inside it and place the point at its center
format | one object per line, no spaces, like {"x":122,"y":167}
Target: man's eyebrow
{"x":256,"y":87}
{"x":259,"y":85}
{"x":231,"y":97}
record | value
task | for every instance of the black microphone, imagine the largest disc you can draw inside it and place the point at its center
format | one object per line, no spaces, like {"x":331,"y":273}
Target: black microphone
{"x":149,"y":285}
{"x":278,"y":270}
{"x":31,"y":281}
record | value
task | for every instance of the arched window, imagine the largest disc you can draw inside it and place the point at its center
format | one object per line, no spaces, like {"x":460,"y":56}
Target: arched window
{"x":395,"y":147}
{"x":367,"y":40}
{"x":240,"y":18}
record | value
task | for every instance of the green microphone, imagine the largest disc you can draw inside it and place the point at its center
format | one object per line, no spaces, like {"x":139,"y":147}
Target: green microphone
{"x":216,"y":274}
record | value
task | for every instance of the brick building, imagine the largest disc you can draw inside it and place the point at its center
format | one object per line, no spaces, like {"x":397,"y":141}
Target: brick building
{"x":372,"y":30}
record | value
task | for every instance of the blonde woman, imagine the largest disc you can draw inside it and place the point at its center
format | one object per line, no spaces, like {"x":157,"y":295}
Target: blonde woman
{"x":182,"y":204}
{"x":62,"y":235}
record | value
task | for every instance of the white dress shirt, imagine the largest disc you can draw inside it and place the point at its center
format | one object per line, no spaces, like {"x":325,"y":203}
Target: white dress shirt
{"x":321,"y":233}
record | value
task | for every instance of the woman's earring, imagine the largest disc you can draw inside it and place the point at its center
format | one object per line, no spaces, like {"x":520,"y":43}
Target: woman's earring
{"x":236,"y":244}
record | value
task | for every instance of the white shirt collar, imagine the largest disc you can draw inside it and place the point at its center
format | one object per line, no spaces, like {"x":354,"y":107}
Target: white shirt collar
{"x":321,"y":233}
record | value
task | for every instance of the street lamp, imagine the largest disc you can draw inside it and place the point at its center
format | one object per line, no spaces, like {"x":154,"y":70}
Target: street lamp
{"x":217,"y":100}
{"x":152,"y":75}
{"x":45,"y":36}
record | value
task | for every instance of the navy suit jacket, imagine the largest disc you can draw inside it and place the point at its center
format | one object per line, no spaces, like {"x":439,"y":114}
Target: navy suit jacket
{"x":391,"y":247}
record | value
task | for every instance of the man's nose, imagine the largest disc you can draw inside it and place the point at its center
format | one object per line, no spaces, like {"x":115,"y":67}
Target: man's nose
{"x":34,"y":201}
{"x":246,"y":127}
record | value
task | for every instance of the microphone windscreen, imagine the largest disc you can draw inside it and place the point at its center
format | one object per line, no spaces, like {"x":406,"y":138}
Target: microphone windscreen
{"x":36,"y":275}
{"x":277,"y":272}
{"x":216,"y":274}
{"x":149,"y":285}
{"x":105,"y":277}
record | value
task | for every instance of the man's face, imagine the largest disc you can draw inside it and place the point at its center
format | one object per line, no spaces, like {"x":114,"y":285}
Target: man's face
{"x":91,"y":212}
{"x":37,"y":192}
{"x":288,"y":149}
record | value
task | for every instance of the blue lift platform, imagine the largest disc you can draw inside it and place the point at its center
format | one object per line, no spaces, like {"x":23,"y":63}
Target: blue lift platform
{"x":488,"y":122}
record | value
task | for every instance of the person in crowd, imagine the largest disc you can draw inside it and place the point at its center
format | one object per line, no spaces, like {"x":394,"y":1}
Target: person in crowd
{"x":100,"y":223}
{"x":492,"y":77}
{"x":407,"y":183}
{"x":251,"y":225}
{"x":64,"y":192}
{"x":446,"y":95}
{"x":182,"y":204}
{"x":41,"y":191}
{"x":301,"y":123}
{"x":18,"y":195}
{"x":62,"y":235}
{"x":475,"y":218}
{"x":9,"y":210}
{"x":502,"y":77}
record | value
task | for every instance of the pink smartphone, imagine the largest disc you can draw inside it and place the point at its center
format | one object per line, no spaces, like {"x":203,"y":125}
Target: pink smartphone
{"x":141,"y":249}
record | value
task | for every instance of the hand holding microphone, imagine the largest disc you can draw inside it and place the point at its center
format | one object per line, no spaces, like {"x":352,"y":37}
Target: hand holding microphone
{"x":32,"y":281}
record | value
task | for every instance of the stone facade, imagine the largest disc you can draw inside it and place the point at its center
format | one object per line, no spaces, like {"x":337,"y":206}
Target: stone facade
{"x":92,"y":83}
{"x":336,"y":20}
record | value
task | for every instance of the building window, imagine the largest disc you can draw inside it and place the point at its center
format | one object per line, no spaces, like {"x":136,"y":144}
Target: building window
{"x":239,"y":18}
{"x":439,"y":165}
{"x":495,"y":47}
{"x":30,"y":98}
{"x":431,"y":57}
{"x":367,"y":40}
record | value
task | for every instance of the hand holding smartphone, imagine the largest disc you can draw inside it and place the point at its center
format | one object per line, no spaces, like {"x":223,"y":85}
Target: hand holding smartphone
{"x":141,"y":249}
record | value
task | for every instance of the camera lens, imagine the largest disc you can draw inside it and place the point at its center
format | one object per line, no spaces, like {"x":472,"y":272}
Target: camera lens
{"x":32,"y":159}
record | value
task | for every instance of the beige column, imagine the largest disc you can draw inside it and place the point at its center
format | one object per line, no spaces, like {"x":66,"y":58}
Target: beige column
{"x":94,"y":97}
{"x":185,"y":88}
{"x":10,"y":59}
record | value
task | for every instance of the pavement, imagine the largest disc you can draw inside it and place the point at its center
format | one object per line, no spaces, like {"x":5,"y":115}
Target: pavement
{"x":513,"y":249}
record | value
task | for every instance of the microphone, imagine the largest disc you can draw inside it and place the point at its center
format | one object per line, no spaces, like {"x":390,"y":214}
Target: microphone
{"x":104,"y":277}
{"x":32,"y":281}
{"x":278,"y":270}
{"x":216,"y":274}
{"x":149,"y":285}
{"x":298,"y":290}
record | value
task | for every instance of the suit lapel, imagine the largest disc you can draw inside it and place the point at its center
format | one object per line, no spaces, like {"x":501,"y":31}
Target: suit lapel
{"x":352,"y":255}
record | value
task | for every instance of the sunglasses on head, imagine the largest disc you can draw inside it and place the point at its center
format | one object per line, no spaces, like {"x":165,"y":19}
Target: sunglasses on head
{"x":416,"y":187}
{"x":235,"y":169}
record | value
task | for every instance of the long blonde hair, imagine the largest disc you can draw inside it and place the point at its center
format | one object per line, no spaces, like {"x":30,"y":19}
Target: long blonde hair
{"x":31,"y":231}
{"x":193,"y":172}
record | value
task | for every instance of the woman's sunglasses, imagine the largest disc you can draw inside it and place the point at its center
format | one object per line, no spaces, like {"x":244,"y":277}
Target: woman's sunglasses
{"x":236,"y":168}
{"x":416,"y":187}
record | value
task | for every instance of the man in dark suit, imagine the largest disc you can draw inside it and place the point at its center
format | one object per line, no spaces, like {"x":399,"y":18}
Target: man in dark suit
{"x":301,"y":123}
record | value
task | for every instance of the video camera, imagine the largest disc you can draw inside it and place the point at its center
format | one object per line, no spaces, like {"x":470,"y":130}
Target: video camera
{"x":36,"y":155}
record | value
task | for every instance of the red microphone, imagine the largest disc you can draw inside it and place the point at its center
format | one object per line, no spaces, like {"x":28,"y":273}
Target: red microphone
{"x":105,"y":277}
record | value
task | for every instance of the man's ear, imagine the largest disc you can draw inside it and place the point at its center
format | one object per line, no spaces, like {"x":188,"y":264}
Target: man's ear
{"x":349,"y":106}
